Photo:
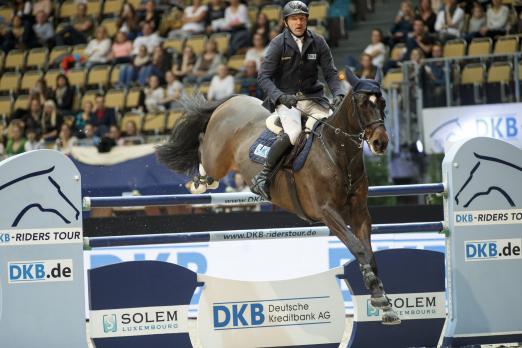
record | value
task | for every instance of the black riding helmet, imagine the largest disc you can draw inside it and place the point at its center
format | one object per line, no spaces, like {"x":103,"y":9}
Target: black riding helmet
{"x":295,"y":7}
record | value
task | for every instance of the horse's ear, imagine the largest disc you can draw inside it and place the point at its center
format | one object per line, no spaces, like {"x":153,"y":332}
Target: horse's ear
{"x":351,"y":78}
{"x":378,"y":76}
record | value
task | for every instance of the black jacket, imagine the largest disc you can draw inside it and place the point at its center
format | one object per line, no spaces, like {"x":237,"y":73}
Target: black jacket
{"x":286,"y":71}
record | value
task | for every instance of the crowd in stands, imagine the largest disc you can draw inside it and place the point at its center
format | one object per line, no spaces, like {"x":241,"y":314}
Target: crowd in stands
{"x":161,"y":48}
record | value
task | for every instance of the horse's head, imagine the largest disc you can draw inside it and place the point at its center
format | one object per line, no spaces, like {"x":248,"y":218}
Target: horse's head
{"x":368,"y":110}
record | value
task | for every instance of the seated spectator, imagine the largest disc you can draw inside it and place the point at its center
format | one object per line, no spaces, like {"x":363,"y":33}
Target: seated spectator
{"x":33,"y":141}
{"x":154,"y":95}
{"x":425,"y":12}
{"x":419,"y":38}
{"x":84,"y":118}
{"x":98,"y":48}
{"x":41,"y":91}
{"x":15,"y":138}
{"x":43,"y":29}
{"x":261,"y":27}
{"x":496,"y":20}
{"x":115,"y":135}
{"x":129,"y":72}
{"x":51,"y":121}
{"x":367,"y":70}
{"x":248,"y":80}
{"x":80,"y":29}
{"x":63,"y":94}
{"x":66,"y":140}
{"x":434,"y":86}
{"x":18,"y":35}
{"x":376,"y":50}
{"x":33,"y":117}
{"x":185,"y":65}
{"x":206,"y":64}
{"x":174,"y":90}
{"x":150,"y":15}
{"x":193,"y":20}
{"x":403,"y":22}
{"x":222,"y":85}
{"x":160,"y":63}
{"x":215,"y":17}
{"x":237,"y":24}
{"x":128,"y":21}
{"x":450,"y":20}
{"x":42,"y":5}
{"x":89,"y":136}
{"x":476,"y":22}
{"x":150,"y":39}
{"x":131,"y":134}
{"x":121,"y":50}
{"x":257,"y":52}
{"x":103,"y":117}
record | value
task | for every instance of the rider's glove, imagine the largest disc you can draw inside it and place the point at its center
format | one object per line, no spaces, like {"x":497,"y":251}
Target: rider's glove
{"x":288,"y":100}
{"x":338,"y":100}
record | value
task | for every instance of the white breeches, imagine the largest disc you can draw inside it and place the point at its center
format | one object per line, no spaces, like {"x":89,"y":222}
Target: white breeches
{"x":291,"y":118}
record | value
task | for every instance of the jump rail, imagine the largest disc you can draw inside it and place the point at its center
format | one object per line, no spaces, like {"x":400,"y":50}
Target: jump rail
{"x":242,"y":235}
{"x":243,"y":198}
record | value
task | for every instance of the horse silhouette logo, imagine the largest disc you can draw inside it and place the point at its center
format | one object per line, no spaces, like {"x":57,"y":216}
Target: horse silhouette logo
{"x":58,"y":203}
{"x":449,"y":131}
{"x":502,"y":176}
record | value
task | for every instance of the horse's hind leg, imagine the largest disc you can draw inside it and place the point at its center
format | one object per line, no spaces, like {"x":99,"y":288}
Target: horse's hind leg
{"x":364,"y":255}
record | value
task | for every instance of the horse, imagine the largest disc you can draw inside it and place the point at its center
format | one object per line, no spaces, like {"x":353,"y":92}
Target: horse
{"x":332,"y":187}
{"x":49,"y":199}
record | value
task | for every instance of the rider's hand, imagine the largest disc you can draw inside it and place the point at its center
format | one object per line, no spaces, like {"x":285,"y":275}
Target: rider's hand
{"x":338,"y":99}
{"x":288,"y":100}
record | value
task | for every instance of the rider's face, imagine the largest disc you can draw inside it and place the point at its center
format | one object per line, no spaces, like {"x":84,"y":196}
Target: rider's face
{"x":297,"y":24}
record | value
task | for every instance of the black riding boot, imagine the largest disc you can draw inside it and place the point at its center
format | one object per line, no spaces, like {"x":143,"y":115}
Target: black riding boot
{"x":261,"y":182}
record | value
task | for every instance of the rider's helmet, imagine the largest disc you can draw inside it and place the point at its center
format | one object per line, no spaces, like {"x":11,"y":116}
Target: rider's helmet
{"x":295,"y":7}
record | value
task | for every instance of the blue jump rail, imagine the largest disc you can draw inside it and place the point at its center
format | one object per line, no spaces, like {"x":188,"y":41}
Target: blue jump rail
{"x":237,"y":198}
{"x":242,"y":235}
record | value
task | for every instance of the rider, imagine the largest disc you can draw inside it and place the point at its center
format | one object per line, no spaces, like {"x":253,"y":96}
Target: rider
{"x":290,"y":70}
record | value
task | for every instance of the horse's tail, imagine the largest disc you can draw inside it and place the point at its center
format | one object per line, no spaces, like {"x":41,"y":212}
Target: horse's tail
{"x":180,"y":153}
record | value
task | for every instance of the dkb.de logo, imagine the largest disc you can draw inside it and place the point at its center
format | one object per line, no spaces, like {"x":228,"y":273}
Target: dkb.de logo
{"x":40,"y":271}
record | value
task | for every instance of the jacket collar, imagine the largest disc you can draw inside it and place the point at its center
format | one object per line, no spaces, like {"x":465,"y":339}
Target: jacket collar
{"x":290,"y":41}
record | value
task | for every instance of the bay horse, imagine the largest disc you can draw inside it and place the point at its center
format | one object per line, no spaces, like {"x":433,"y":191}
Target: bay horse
{"x":332,"y":186}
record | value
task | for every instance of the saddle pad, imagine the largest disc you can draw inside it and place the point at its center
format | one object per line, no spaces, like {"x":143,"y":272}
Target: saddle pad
{"x":259,"y":150}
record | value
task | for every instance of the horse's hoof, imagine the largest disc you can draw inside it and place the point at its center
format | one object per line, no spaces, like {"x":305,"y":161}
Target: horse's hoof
{"x":213,"y":184}
{"x":390,"y":317}
{"x":379,"y":302}
{"x":197,"y":189}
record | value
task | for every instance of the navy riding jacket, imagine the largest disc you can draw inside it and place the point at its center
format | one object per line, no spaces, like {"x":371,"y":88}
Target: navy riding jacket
{"x":286,"y":71}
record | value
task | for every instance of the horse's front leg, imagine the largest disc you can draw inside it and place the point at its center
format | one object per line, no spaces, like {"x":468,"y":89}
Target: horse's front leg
{"x":364,"y":257}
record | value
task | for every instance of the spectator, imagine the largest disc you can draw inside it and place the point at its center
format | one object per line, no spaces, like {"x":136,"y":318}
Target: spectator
{"x":149,"y":38}
{"x":449,"y":21}
{"x":15,"y":138}
{"x":185,"y":65}
{"x":115,"y":135}
{"x":103,"y":117}
{"x":193,"y":19}
{"x":41,"y":91}
{"x":66,"y":140}
{"x":42,"y":5}
{"x":376,"y":50}
{"x":215,"y":18}
{"x":32,"y":119}
{"x":222,"y":85}
{"x":476,"y":22}
{"x":83,"y":118}
{"x":98,"y":48}
{"x":43,"y":29}
{"x":63,"y":94}
{"x":261,"y":27}
{"x":257,"y":52}
{"x":150,"y":15}
{"x":121,"y":50}
{"x":51,"y":121}
{"x":174,"y":89}
{"x":206,"y":65}
{"x":403,"y":22}
{"x":419,"y":38}
{"x":154,"y":95}
{"x":128,"y":21}
{"x":128,"y":72}
{"x":160,"y":63}
{"x":237,"y":24}
{"x":79,"y":31}
{"x":33,"y":142}
{"x":248,"y":80}
{"x":19,"y":35}
{"x":367,"y":70}
{"x":131,"y":134}
{"x":90,"y":137}
{"x":435,"y":83}
{"x":497,"y":20}
{"x":425,"y":12}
